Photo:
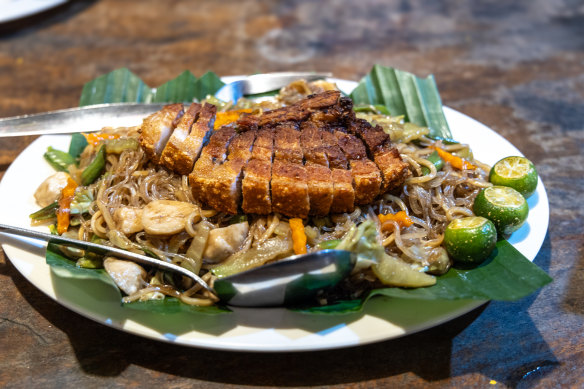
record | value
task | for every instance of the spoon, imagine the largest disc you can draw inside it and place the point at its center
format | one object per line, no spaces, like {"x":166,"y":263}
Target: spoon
{"x":288,"y":281}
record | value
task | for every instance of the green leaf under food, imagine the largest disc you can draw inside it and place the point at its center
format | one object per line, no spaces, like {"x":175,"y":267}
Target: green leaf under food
{"x":66,"y":268}
{"x":505,"y":276}
{"x":171,"y":305}
{"x":123,"y":86}
{"x":404,"y":94}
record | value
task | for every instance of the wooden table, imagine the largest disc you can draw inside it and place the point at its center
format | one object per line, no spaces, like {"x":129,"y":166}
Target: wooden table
{"x":515,"y":66}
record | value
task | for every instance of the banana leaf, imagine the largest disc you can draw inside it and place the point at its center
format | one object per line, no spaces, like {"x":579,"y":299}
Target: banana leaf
{"x":404,"y":94}
{"x":506,"y":276}
{"x":123,"y":86}
{"x":63,"y":267}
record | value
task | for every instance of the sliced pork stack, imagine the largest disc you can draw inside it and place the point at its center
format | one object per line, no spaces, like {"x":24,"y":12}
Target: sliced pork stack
{"x":311,"y":158}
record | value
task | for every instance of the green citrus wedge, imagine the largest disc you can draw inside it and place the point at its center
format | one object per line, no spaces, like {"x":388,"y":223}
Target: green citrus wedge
{"x":504,"y":206}
{"x":470,"y":240}
{"x":516,"y":172}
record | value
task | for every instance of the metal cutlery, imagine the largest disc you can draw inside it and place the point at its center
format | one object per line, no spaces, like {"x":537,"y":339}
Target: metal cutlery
{"x":288,"y":281}
{"x":95,"y":117}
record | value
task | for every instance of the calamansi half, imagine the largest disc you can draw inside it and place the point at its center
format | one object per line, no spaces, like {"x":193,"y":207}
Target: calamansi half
{"x":516,"y":172}
{"x":504,"y":206}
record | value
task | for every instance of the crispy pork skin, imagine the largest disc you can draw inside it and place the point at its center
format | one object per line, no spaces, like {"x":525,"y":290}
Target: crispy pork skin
{"x":212,"y":155}
{"x":313,"y":157}
{"x":157,"y":128}
{"x":343,"y":193}
{"x":320,"y":188}
{"x":224,"y":192}
{"x":255,"y":185}
{"x":289,"y":189}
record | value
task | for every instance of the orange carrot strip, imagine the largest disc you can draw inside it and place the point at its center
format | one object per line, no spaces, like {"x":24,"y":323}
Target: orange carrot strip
{"x":298,"y":236}
{"x":401,"y":218}
{"x":456,"y":162}
{"x":223,"y":118}
{"x":64,"y":211}
{"x":95,"y":137}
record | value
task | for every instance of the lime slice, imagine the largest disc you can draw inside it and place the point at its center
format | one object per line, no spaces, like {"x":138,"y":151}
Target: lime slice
{"x":470,"y":240}
{"x":516,"y":172}
{"x":504,"y":206}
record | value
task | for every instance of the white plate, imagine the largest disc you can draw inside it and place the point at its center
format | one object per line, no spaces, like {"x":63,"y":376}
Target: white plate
{"x":247,"y":329}
{"x":15,"y":9}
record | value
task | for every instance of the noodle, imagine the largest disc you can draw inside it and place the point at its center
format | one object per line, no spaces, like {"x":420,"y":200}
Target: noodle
{"x":430,"y":197}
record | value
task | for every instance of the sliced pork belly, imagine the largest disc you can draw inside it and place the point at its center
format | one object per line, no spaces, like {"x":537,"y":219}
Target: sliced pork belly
{"x":157,"y":128}
{"x":212,"y":155}
{"x":224,"y":192}
{"x":185,"y":144}
{"x":351,"y":146}
{"x":338,"y":114}
{"x":335,"y":156}
{"x":393,"y":169}
{"x":311,"y":142}
{"x":289,"y":189}
{"x":343,"y":193}
{"x":366,"y":180}
{"x":255,"y":186}
{"x":320,"y":188}
{"x":366,"y":175}
{"x":287,"y":144}
{"x":292,"y":113}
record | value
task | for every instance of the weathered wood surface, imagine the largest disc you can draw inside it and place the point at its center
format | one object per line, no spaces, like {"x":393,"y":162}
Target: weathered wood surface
{"x":516,"y":66}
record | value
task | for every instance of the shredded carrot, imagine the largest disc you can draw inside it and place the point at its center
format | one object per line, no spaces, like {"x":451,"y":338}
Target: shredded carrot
{"x":298,"y":236}
{"x":94,"y":138}
{"x":456,"y":162}
{"x":401,"y":218}
{"x":223,"y":118}
{"x":64,"y":211}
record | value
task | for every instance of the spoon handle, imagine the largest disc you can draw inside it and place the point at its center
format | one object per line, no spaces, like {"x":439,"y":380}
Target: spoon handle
{"x":105,"y":250}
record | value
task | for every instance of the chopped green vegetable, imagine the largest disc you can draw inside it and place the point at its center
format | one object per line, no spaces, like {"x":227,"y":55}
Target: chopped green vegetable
{"x":238,"y":219}
{"x":94,"y":169}
{"x":436,"y":161}
{"x":254,"y":257}
{"x":116,"y":146}
{"x":372,"y":108}
{"x":46,"y":213}
{"x":81,"y":202}
{"x":58,"y":159}
{"x":329,"y":244}
{"x":77,"y":145}
{"x":90,"y":261}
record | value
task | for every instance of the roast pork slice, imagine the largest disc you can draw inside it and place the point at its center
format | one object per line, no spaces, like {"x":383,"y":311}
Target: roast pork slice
{"x":320,"y":188}
{"x":157,"y":128}
{"x":289,"y":189}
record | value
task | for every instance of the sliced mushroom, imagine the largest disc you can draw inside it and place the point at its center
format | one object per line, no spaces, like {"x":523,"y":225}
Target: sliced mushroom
{"x":128,"y":276}
{"x":225,"y":241}
{"x":129,"y":219}
{"x":166,"y":217}
{"x":50,"y":190}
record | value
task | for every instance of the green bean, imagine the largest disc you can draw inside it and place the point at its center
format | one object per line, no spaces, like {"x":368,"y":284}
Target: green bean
{"x":46,"y":213}
{"x":436,"y":160}
{"x":93,"y":170}
{"x":58,"y":159}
